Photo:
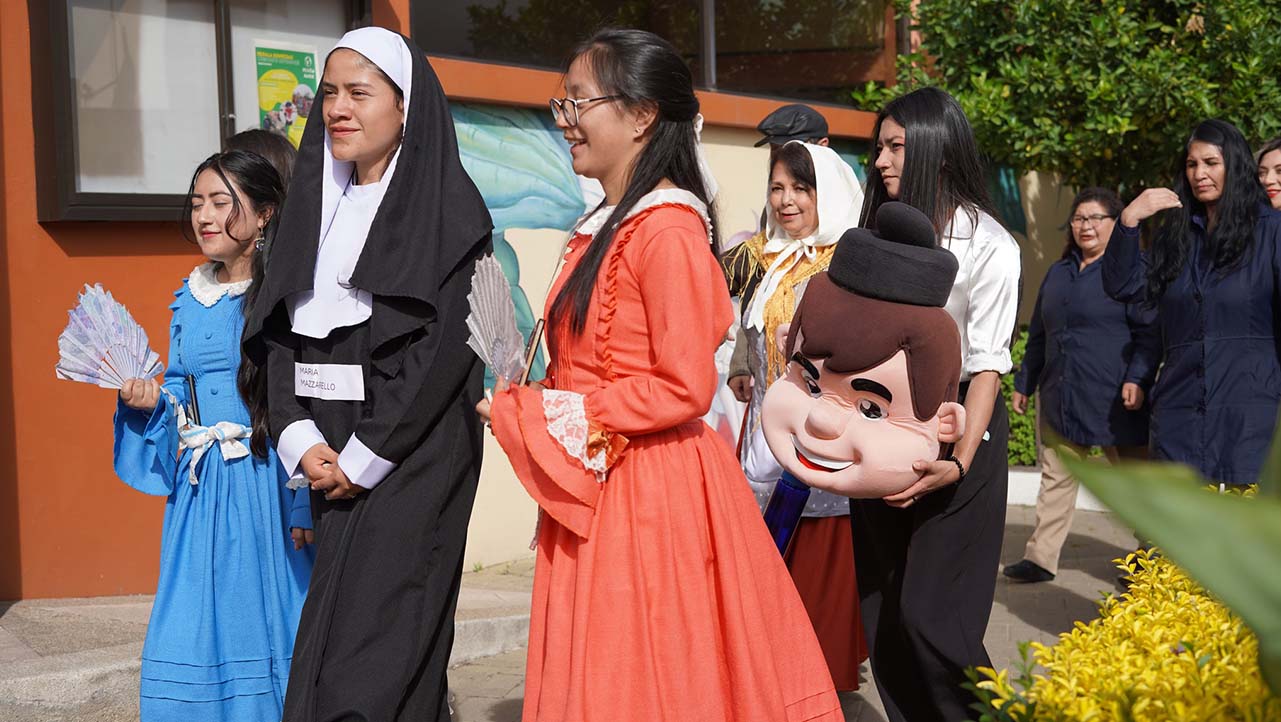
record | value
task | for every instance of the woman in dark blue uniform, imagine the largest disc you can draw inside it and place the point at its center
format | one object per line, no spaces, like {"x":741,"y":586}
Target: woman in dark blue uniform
{"x":1212,"y":272}
{"x":1093,"y":360}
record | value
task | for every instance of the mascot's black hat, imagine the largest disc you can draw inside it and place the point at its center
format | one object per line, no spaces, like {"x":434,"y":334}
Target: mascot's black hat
{"x":900,"y":261}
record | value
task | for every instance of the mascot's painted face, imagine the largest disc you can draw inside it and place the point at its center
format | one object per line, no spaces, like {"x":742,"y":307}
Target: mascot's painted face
{"x":853,"y":434}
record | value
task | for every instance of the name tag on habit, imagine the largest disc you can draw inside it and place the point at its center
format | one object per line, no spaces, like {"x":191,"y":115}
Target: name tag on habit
{"x":331,"y":382}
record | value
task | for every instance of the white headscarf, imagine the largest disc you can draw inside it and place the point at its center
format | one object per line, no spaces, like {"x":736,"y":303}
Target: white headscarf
{"x":840,"y":202}
{"x":333,"y":302}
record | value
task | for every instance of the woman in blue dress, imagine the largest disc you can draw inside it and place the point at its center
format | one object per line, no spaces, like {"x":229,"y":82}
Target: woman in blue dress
{"x":1093,"y":360}
{"x":233,"y":565}
{"x":1214,"y":274}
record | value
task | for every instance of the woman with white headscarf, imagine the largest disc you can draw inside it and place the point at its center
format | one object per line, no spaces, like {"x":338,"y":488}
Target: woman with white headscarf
{"x":814,"y":197}
{"x":371,"y":387}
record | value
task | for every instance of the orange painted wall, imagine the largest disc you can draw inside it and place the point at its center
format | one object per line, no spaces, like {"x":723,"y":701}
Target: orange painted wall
{"x":68,"y":526}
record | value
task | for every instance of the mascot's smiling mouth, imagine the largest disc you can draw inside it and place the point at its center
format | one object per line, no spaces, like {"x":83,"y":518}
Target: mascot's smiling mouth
{"x":818,"y":463}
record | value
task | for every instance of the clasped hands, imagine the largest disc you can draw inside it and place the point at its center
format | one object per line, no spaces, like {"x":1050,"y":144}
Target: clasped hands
{"x":320,"y":465}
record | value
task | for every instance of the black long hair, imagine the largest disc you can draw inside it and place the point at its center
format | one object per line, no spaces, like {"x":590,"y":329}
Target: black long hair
{"x":639,"y":67}
{"x":1105,"y":197}
{"x":1237,"y":210}
{"x":258,"y":180}
{"x":942,"y":168}
{"x":275,"y":147}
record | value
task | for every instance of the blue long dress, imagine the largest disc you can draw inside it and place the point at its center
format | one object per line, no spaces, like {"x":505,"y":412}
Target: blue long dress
{"x":1215,"y":401}
{"x":1081,"y":347}
{"x":231,"y":588}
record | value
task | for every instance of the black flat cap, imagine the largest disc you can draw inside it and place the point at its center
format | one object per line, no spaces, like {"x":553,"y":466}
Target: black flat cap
{"x":900,"y":261}
{"x":792,"y":122}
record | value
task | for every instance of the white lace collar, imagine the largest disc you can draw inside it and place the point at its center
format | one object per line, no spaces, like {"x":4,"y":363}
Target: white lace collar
{"x":205,"y":287}
{"x":592,"y":223}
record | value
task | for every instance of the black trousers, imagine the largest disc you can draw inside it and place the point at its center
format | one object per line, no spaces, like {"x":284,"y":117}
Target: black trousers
{"x":926,"y":577}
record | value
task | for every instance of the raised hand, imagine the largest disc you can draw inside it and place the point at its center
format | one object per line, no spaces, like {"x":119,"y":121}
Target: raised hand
{"x":1149,"y":203}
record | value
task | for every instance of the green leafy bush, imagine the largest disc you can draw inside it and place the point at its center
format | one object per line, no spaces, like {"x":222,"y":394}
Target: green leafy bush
{"x":1103,"y":92}
{"x":1022,"y":426}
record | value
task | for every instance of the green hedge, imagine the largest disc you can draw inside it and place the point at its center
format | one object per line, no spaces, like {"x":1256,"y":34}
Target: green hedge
{"x":1022,"y":426}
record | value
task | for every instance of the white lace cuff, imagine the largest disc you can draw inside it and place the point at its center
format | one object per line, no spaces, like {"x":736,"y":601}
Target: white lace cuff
{"x":567,"y":424}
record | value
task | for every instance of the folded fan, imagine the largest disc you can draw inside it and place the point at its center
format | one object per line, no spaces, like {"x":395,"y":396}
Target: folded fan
{"x":492,"y":321}
{"x":103,"y":345}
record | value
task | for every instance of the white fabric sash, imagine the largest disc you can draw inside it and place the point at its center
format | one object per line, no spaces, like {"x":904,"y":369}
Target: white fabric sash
{"x":199,"y":438}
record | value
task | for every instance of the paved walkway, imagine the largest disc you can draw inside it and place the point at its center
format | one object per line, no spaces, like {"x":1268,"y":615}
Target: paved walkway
{"x":77,"y":659}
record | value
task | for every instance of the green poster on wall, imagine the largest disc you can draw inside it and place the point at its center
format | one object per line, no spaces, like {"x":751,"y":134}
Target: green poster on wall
{"x":287,"y":83}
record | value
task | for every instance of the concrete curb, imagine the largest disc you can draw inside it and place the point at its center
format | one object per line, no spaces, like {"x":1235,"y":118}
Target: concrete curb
{"x":77,"y":678}
{"x":1025,"y":483}
{"x":476,"y":638}
{"x":69,"y":680}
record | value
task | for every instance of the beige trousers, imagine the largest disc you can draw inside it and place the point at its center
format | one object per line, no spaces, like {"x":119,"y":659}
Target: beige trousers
{"x":1057,"y":501}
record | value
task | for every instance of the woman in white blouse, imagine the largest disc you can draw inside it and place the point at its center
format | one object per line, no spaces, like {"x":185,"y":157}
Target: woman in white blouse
{"x":926,"y":559}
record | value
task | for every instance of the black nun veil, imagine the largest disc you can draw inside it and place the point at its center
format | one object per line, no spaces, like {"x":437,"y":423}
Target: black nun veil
{"x":377,"y":627}
{"x":413,"y":245}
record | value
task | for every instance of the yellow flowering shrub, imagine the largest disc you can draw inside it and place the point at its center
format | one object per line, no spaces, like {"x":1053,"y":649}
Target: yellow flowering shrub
{"x":1163,"y":651}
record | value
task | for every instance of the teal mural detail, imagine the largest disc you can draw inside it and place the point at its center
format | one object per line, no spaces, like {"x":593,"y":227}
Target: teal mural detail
{"x":521,"y":164}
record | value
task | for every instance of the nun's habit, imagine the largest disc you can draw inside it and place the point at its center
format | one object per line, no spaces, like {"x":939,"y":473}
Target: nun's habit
{"x":361,"y":323}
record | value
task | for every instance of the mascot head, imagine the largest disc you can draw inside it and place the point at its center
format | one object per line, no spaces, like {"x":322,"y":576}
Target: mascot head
{"x":874,"y":363}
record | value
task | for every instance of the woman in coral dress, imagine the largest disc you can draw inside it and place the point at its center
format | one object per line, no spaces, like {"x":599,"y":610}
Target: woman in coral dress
{"x":658,"y":594}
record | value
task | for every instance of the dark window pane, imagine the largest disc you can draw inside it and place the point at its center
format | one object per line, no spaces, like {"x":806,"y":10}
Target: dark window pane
{"x":808,"y":49}
{"x":541,"y":33}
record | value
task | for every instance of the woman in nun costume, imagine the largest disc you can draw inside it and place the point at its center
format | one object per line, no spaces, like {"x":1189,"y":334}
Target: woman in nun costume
{"x":362,"y":325}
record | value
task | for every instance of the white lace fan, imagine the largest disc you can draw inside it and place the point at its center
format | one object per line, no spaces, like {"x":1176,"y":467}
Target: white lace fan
{"x":492,"y":321}
{"x":103,"y":345}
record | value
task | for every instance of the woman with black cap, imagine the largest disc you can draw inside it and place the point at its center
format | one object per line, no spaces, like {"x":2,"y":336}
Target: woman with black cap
{"x":361,"y":323}
{"x":927,"y":558}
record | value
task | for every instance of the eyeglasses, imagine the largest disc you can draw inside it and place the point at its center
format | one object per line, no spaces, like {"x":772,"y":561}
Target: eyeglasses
{"x":1093,"y":219}
{"x":568,"y":108}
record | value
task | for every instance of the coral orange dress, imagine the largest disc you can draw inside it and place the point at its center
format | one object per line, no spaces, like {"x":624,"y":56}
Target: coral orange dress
{"x":658,"y":594}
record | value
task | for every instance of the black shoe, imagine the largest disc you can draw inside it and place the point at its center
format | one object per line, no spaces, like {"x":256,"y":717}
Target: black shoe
{"x":1026,"y":571}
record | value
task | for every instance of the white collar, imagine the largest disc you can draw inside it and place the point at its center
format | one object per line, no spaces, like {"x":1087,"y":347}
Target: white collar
{"x":591,"y":224}
{"x":208,"y":290}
